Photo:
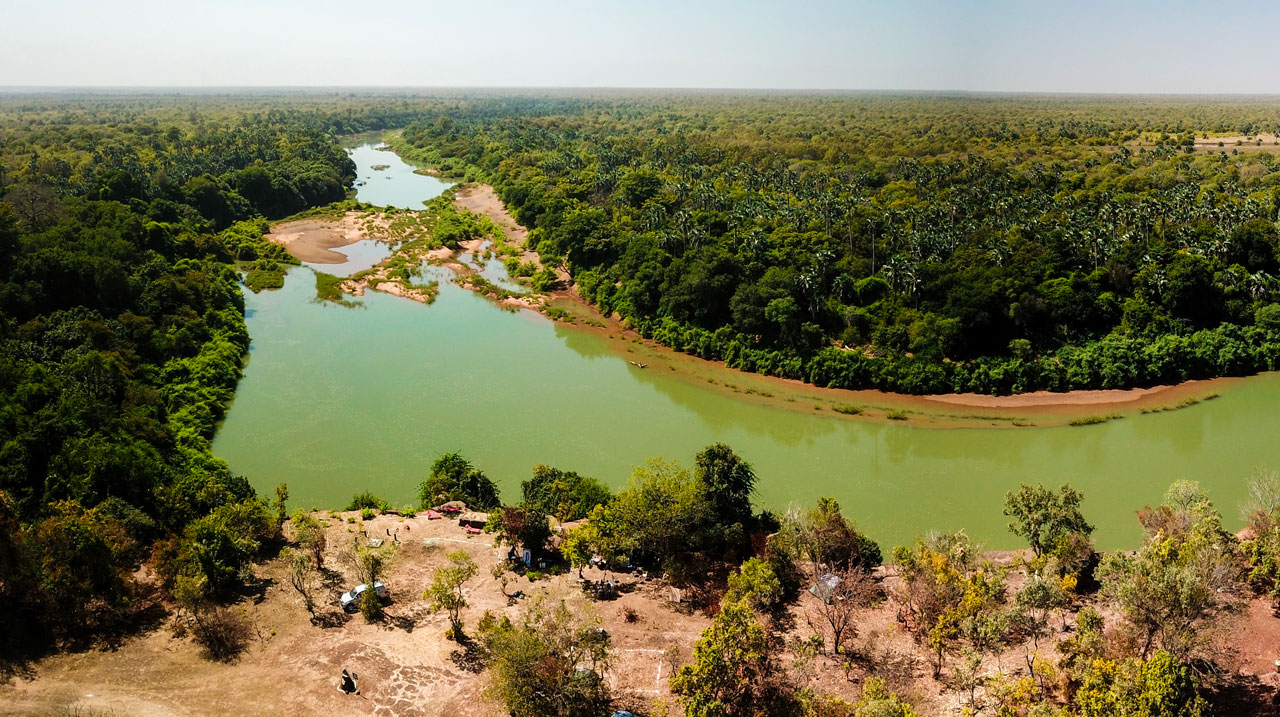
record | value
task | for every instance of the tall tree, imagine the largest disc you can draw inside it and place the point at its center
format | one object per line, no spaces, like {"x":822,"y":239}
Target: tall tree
{"x":1044,"y":517}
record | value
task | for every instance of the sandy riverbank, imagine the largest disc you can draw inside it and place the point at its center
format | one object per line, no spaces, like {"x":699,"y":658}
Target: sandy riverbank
{"x":1041,"y":408}
{"x":313,"y":239}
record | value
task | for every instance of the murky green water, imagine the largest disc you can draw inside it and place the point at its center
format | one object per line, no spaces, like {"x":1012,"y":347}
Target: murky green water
{"x":337,"y":400}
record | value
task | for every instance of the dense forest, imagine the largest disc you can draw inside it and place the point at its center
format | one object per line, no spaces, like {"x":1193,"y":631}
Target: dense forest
{"x":919,"y":244}
{"x":122,"y":334}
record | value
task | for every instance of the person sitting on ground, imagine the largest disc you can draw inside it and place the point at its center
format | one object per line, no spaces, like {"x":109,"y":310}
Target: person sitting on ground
{"x":348,"y":684}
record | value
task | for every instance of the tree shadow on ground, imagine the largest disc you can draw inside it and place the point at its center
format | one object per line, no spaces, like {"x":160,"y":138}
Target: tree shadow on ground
{"x":330,"y":619}
{"x":469,"y":657}
{"x":1245,"y":695}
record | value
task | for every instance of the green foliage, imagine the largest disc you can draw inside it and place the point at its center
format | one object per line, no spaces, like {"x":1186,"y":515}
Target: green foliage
{"x":878,"y":701}
{"x":1158,"y":687}
{"x":217,"y":547}
{"x":981,"y":244}
{"x":366,"y":500}
{"x":122,"y":329}
{"x":948,"y":598}
{"x":278,"y":505}
{"x":522,"y":526}
{"x":370,"y":605}
{"x":1261,"y":548}
{"x":756,"y":584}
{"x":328,"y":288}
{"x":445,"y":591}
{"x":824,"y":537}
{"x":563,"y":494}
{"x":731,"y":669}
{"x":454,"y":478}
{"x":728,"y":481}
{"x":552,"y":662}
{"x":1183,"y":578}
{"x":669,"y":517}
{"x":1045,"y":518}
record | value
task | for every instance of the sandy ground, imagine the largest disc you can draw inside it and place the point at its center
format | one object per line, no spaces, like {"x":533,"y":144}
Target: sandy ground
{"x":312,"y":239}
{"x":291,"y":666}
{"x":1134,"y":397}
{"x":407,"y":667}
{"x":481,"y":199}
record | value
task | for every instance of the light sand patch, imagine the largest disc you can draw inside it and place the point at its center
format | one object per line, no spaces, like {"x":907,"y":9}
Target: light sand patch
{"x":481,"y":199}
{"x":1135,"y":397}
{"x":312,"y":240}
{"x":472,"y":245}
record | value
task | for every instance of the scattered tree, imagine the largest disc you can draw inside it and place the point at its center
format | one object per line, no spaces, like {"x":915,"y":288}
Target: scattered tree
{"x":454,"y":478}
{"x":446,"y":590}
{"x":552,"y":662}
{"x":1043,"y":517}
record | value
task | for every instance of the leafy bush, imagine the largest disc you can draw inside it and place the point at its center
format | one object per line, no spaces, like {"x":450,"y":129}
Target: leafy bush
{"x":366,"y":500}
{"x":454,"y":478}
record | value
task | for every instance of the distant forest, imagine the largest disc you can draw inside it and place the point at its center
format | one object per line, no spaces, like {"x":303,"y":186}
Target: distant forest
{"x":918,"y":244}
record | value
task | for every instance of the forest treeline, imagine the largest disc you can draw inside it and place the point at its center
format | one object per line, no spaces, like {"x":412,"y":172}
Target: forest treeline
{"x":912,"y":244}
{"x":122,"y":336}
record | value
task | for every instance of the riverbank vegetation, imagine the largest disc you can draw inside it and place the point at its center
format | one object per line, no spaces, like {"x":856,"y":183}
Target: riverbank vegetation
{"x":122,"y":331}
{"x":922,"y":244}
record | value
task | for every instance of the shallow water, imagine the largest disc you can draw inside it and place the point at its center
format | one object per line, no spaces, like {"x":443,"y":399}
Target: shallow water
{"x":336,"y":400}
{"x":395,"y":186}
{"x":361,"y":255}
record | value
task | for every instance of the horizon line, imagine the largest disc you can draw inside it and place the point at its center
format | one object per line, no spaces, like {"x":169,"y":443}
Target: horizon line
{"x":67,"y":88}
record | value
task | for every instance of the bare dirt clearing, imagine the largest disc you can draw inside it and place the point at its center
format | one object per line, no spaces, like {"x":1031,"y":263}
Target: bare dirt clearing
{"x":407,"y":667}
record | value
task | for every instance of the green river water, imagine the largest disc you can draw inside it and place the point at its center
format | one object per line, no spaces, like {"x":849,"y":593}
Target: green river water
{"x":337,"y":400}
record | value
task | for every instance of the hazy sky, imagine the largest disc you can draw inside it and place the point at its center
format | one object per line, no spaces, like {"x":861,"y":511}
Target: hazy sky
{"x":1062,"y":46}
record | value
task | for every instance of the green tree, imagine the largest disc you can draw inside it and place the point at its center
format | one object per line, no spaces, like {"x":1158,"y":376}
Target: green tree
{"x":826,"y":538}
{"x":309,"y":534}
{"x":1044,"y":517}
{"x":731,"y":669}
{"x":446,"y":590}
{"x":552,"y":662}
{"x":1158,"y":687}
{"x":302,"y":577}
{"x":755,"y":583}
{"x":728,"y":481}
{"x":282,"y":496}
{"x":563,"y":494}
{"x":521,"y":526}
{"x":454,"y":478}
{"x":1182,"y":580}
{"x":878,"y":701}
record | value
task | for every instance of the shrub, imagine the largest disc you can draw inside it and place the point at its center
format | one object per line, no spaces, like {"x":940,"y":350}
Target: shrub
{"x":367,"y":500}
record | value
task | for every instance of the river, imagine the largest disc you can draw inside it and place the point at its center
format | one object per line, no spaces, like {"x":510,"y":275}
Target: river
{"x":336,"y":400}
